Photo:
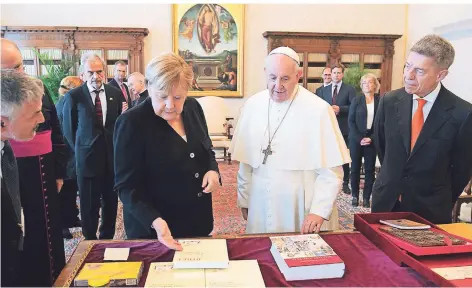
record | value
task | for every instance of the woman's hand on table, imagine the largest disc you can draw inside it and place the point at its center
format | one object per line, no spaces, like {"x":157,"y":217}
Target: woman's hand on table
{"x":211,"y":180}
{"x":164,"y":235}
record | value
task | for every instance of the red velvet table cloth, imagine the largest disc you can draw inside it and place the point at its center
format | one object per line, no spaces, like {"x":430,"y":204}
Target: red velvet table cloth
{"x":366,"y":265}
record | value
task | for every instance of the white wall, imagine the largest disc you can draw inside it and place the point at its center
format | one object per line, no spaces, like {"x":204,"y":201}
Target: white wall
{"x":387,"y":19}
{"x":454,"y":22}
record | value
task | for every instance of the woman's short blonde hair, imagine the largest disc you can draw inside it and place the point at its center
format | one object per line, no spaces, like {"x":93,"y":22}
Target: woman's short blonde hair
{"x":166,"y":70}
{"x":69,"y":83}
{"x":371,"y":76}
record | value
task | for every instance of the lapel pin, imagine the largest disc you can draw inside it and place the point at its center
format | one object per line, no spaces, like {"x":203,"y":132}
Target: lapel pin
{"x":111,"y":98}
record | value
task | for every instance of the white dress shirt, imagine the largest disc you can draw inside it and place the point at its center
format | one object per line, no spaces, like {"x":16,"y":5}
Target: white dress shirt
{"x":370,"y":114}
{"x":430,"y":98}
{"x":103,"y":99}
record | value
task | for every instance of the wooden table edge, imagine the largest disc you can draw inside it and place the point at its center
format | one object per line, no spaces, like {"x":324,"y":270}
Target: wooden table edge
{"x":85,"y":246}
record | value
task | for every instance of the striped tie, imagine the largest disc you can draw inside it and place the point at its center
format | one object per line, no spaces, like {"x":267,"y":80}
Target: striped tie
{"x":98,"y":107}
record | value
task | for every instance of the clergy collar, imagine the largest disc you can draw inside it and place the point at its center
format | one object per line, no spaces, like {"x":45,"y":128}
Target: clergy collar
{"x":431,"y":97}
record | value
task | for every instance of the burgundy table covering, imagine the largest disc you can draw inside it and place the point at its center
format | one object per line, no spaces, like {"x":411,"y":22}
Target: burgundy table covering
{"x":366,"y":265}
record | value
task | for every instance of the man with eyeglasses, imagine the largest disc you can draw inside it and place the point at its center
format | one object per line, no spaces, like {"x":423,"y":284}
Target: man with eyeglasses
{"x":423,"y":136}
{"x":89,"y":116}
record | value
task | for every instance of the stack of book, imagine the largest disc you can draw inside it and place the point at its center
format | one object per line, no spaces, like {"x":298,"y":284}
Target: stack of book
{"x":204,"y":263}
{"x":304,"y":257}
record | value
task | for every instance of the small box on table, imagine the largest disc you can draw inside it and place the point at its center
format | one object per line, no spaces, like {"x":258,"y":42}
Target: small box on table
{"x":421,"y":259}
{"x":115,"y":273}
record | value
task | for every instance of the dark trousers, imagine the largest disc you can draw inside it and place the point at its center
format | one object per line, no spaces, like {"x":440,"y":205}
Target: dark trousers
{"x":11,"y":269}
{"x":95,"y":193}
{"x":68,"y":197}
{"x":357,"y":152}
{"x":346,"y":166}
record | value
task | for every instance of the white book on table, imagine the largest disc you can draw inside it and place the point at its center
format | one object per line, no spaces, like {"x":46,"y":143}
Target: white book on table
{"x":202,"y":253}
{"x":240,"y":273}
{"x":163,"y":274}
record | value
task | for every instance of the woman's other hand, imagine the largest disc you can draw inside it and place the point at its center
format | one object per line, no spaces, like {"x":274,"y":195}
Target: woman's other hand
{"x":210,"y":181}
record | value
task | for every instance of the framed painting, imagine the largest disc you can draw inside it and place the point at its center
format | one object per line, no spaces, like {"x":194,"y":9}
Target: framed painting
{"x":210,"y":39}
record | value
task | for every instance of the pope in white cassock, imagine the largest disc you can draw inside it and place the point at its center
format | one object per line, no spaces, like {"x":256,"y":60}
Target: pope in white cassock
{"x":291,"y":153}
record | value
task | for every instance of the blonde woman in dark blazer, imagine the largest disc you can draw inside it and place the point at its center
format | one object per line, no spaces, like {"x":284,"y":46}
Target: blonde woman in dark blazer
{"x":361,"y":120}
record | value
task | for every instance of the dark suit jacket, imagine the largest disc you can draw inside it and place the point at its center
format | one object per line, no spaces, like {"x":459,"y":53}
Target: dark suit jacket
{"x":319,"y":90}
{"x":71,"y":172}
{"x":93,"y":144}
{"x":12,"y":236}
{"x":158,"y":174}
{"x":357,"y":118}
{"x":115,"y":84}
{"x":142,"y":96}
{"x":343,"y":100}
{"x":433,"y":175}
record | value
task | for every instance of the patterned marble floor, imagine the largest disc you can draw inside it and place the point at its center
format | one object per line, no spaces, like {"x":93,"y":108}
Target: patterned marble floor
{"x":228,"y":219}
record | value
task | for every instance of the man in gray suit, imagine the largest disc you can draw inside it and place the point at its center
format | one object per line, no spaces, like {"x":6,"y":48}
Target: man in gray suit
{"x":340,"y":95}
{"x":21,"y":114}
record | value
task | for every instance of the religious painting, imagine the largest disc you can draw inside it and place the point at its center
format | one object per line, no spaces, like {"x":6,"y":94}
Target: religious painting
{"x":210,"y":39}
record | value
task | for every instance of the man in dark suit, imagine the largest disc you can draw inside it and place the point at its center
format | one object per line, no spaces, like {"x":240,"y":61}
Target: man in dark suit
{"x":119,"y":76}
{"x":340,"y":95}
{"x":326,"y":75}
{"x":89,"y":116}
{"x":21,"y":114}
{"x":423,"y":135}
{"x":137,"y":87}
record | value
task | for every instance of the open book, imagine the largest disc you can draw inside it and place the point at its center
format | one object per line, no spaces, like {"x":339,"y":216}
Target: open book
{"x":202,"y":253}
{"x":240,"y":273}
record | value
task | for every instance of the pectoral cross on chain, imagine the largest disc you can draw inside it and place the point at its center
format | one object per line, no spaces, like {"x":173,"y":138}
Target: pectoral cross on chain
{"x":266,"y":153}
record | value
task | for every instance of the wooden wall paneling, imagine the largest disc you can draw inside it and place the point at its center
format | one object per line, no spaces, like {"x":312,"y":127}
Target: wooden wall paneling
{"x":337,"y":44}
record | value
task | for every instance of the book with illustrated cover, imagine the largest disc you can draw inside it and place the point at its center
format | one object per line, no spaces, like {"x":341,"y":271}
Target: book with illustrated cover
{"x":423,"y":238}
{"x":118,"y":273}
{"x":303,"y":257}
{"x":405,"y":224}
{"x":240,"y":273}
{"x":202,"y":253}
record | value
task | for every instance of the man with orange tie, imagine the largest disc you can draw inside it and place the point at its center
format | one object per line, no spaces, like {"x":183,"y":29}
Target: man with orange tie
{"x":423,"y":135}
{"x":119,"y":77}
